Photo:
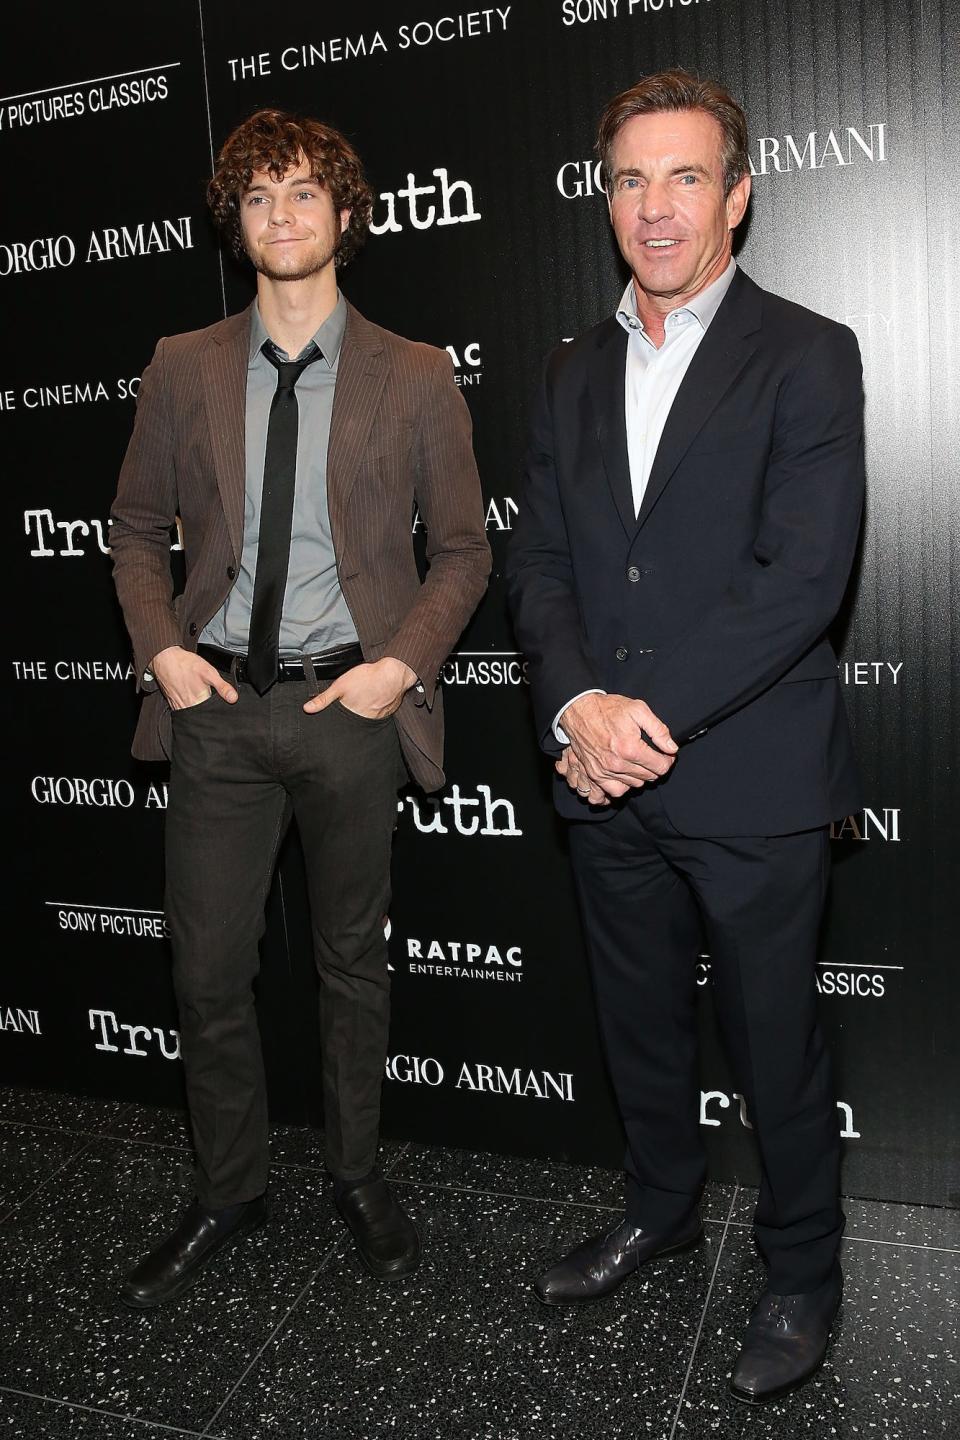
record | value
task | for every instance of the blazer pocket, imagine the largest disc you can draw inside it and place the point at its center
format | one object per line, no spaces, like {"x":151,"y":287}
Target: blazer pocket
{"x":390,"y":441}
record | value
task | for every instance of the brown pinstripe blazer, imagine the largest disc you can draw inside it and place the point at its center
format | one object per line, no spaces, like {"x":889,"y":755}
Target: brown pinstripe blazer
{"x":400,"y":432}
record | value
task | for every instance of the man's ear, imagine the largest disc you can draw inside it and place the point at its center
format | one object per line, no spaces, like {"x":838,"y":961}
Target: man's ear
{"x":737,"y":201}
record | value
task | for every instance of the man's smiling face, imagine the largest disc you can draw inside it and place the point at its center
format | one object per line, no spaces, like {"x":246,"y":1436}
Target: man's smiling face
{"x":290,"y":228}
{"x":671,"y":218}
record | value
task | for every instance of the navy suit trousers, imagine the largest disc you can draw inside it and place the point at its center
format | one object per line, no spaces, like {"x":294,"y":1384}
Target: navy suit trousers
{"x":650,"y":897}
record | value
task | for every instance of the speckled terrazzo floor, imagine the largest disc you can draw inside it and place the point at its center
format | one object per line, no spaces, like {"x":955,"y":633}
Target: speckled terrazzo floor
{"x":287,"y":1337}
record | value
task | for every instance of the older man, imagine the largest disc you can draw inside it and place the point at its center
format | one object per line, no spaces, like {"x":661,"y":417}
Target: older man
{"x":690,"y":515}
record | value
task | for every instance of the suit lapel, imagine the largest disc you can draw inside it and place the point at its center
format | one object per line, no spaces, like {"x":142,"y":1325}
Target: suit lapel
{"x":224,"y":370}
{"x":730,"y":340}
{"x":361,"y":375}
{"x":606,"y":378}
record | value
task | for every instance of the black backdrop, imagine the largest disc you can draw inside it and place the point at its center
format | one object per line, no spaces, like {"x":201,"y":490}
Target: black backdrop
{"x":492,"y":240}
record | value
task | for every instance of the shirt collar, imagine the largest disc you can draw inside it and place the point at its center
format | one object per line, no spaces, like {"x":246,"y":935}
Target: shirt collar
{"x":328,"y":338}
{"x":702,"y":307}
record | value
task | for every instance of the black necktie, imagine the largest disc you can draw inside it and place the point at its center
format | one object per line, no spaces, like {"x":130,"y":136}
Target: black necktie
{"x":276,"y":518}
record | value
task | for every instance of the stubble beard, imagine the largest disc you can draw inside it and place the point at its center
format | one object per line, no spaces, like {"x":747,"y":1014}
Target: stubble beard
{"x":319,"y":261}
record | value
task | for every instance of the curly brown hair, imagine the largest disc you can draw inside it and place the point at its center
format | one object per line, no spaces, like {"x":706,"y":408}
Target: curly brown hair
{"x":277,"y":141}
{"x":679,"y":90}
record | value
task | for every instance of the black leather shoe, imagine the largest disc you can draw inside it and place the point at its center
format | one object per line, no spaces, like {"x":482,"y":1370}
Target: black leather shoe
{"x":386,"y":1237}
{"x":596,"y":1268}
{"x":176,"y":1263}
{"x":785,"y":1342}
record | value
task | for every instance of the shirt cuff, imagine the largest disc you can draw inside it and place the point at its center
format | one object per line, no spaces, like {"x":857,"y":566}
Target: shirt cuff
{"x":559,"y":733}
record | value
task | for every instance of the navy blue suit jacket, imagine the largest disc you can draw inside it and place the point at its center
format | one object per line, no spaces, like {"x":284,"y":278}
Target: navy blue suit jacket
{"x":743,"y":548}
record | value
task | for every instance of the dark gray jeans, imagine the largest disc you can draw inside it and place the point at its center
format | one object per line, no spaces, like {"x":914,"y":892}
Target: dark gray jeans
{"x":239,"y":772}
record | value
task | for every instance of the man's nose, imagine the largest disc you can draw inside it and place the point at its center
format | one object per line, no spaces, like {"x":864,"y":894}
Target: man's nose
{"x":280,"y":211}
{"x":655,"y":202}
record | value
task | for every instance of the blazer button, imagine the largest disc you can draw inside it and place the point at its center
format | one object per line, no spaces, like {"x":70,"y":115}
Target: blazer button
{"x":633,"y":574}
{"x":231,"y":573}
{"x":623,"y":653}
{"x":192,"y":628}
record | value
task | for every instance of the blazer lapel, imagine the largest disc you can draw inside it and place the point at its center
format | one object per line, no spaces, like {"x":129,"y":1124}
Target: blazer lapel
{"x":606,"y":378}
{"x":721,"y":355}
{"x":361,"y":375}
{"x":224,"y":370}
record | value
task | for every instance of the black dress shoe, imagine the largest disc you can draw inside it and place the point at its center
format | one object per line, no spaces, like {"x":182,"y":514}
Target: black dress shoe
{"x":596,"y":1268}
{"x":386,"y":1237}
{"x":785,"y":1342}
{"x":176,"y":1263}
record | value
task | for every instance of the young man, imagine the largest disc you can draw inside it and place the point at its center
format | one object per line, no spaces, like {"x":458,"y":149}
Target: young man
{"x":691,"y":511}
{"x":298,"y":670}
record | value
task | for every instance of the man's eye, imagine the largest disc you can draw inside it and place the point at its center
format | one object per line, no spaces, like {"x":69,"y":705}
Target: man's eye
{"x":305,"y":195}
{"x":688,"y":179}
{"x":629,"y":182}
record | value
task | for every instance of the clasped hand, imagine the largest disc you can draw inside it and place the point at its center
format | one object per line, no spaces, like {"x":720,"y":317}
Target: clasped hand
{"x":607,"y":754}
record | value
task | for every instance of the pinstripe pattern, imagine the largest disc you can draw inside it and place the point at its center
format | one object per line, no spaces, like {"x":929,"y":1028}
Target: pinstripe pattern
{"x":400,"y":433}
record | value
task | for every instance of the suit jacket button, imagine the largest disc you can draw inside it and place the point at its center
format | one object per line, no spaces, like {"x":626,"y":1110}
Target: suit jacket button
{"x":623,"y":653}
{"x":192,"y":628}
{"x":231,"y":573}
{"x":633,"y":574}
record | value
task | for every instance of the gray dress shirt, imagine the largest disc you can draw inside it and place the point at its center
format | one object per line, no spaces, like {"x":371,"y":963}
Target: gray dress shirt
{"x":315,"y":614}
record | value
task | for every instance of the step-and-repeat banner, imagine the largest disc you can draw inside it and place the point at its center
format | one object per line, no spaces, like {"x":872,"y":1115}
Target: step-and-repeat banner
{"x":490,"y":239}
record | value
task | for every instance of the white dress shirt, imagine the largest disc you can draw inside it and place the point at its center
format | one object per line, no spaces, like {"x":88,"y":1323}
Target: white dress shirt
{"x":652,"y":377}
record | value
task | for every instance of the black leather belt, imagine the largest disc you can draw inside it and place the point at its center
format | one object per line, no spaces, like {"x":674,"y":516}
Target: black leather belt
{"x":326,"y":666}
